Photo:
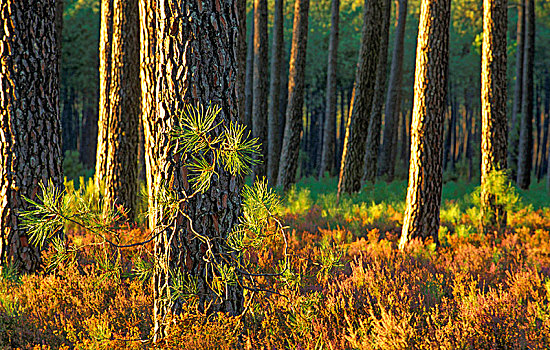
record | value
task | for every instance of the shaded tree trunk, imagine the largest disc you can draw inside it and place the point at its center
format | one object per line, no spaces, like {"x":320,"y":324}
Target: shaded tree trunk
{"x":513,"y":135}
{"x":430,"y":86}
{"x":393,"y":99}
{"x":293,"y":125}
{"x":373,"y":134}
{"x":30,"y":151}
{"x":249,"y":76}
{"x":546,"y":123}
{"x":351,"y":169}
{"x":329,"y":143}
{"x":89,"y":132}
{"x":259,"y":105}
{"x":493,"y":109}
{"x":200,"y":33}
{"x":242,"y":53}
{"x":277,"y":52}
{"x":525,"y":158}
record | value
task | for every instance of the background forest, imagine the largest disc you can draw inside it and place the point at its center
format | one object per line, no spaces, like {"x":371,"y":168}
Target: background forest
{"x":202,"y":252}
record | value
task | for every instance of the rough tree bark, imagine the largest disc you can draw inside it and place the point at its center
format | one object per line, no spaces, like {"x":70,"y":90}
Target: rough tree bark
{"x":201,"y":33}
{"x":30,"y":151}
{"x":249,"y":76}
{"x":329,"y":130}
{"x":294,"y":113}
{"x":259,"y":104}
{"x":493,"y":108}
{"x":373,"y":134}
{"x":277,"y":50}
{"x":430,"y":87}
{"x":120,"y":139}
{"x":241,"y":79}
{"x":351,"y":168}
{"x":525,"y":159}
{"x":393,"y":99}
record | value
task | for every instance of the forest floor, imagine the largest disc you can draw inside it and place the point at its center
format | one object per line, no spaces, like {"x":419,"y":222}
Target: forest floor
{"x":350,"y":287}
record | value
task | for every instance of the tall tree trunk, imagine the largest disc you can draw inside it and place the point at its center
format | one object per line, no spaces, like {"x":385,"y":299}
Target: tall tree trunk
{"x":493,"y":109}
{"x":513,"y":135}
{"x":393,"y":99}
{"x":351,"y":169}
{"x":30,"y":151}
{"x":373,"y":134}
{"x":242,"y":53}
{"x":249,"y":83}
{"x":329,"y":144}
{"x":545,"y":128}
{"x":105,"y":56}
{"x":259,"y":105}
{"x":68,"y":133}
{"x":277,"y":52}
{"x":121,"y":138}
{"x":200,"y":33}
{"x":430,"y":87}
{"x":89,"y":131}
{"x":525,"y":159}
{"x":294,"y":113}
{"x":147,"y":73}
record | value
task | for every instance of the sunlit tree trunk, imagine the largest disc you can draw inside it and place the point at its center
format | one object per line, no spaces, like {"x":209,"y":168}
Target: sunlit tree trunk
{"x":493,"y":108}
{"x":294,"y":113}
{"x":525,"y":158}
{"x":200,"y":33}
{"x":329,"y":141}
{"x":373,"y":134}
{"x":30,"y":151}
{"x":351,"y":168}
{"x":259,"y":105}
{"x":430,"y":101}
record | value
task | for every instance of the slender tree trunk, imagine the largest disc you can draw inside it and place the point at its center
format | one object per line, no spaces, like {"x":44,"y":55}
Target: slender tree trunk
{"x":525,"y":159}
{"x":351,"y":169}
{"x":30,"y":151}
{"x":89,"y":131}
{"x":105,"y":56}
{"x":430,"y":87}
{"x":546,"y":123}
{"x":493,"y":109}
{"x":249,"y":88}
{"x":513,"y":135}
{"x":329,"y":143}
{"x":259,"y":105}
{"x":393,"y":99}
{"x":277,"y":51}
{"x":200,"y":33}
{"x":121,"y":139}
{"x":296,"y":84}
{"x":68,"y":116}
{"x":373,"y":134}
{"x":147,"y":73}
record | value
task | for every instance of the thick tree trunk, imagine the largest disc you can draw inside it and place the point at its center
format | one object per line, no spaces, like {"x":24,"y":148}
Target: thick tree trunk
{"x":105,"y":56}
{"x":493,"y":108}
{"x":259,"y":105}
{"x":277,"y":54}
{"x":294,"y":113}
{"x":329,"y":142}
{"x":30,"y":151}
{"x":148,"y":69}
{"x":200,"y":33}
{"x":393,"y":99}
{"x":351,"y":169}
{"x":242,"y":47}
{"x":430,"y":87}
{"x":525,"y":158}
{"x":373,"y":135}
{"x":249,"y":76}
{"x":513,"y":135}
{"x":120,"y":175}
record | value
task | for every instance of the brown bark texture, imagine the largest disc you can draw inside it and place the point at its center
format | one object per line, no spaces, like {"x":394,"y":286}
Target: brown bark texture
{"x":351,"y":168}
{"x":30,"y":151}
{"x":241,"y":80}
{"x":203,"y":34}
{"x":329,"y":131}
{"x":294,"y":112}
{"x":277,"y":52}
{"x":259,"y":105}
{"x":386,"y":163}
{"x":494,"y":124}
{"x":373,"y":135}
{"x":525,"y":151}
{"x":430,"y":97}
{"x":249,"y":76}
